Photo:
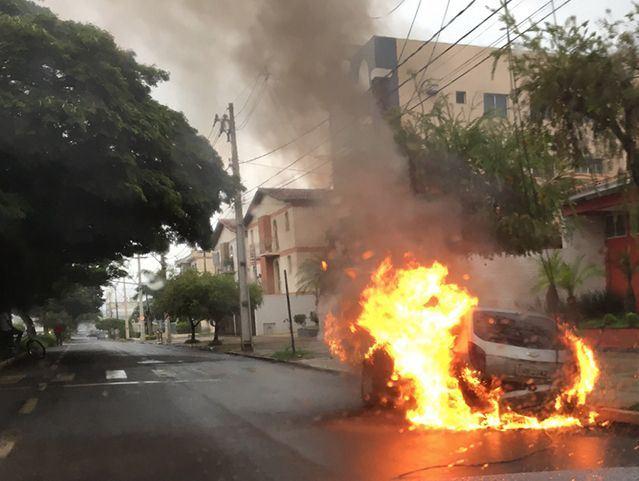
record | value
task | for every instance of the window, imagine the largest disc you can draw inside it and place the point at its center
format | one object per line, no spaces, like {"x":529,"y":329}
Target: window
{"x":276,"y":242}
{"x":616,"y":225}
{"x":287,"y":225}
{"x":460,"y":97}
{"x":289,"y":265}
{"x":590,"y":166}
{"x":495,"y":104}
{"x":252,"y":237}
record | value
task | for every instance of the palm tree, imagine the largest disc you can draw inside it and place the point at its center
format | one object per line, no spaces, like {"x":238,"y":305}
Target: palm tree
{"x":573,"y":276}
{"x":549,"y":272}
{"x":311,"y":277}
{"x":628,"y":267}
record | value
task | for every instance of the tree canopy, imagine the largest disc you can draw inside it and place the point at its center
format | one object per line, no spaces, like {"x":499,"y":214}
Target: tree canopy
{"x":581,"y":86}
{"x":509,"y":184}
{"x":195,"y":296}
{"x":93,"y":168}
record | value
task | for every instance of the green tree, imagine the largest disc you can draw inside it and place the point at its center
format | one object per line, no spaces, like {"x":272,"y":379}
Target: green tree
{"x":312,"y":278}
{"x":581,"y":86}
{"x":194,"y":296}
{"x":93,"y":168}
{"x":550,"y":266}
{"x":509,"y":185}
{"x":571,"y":277}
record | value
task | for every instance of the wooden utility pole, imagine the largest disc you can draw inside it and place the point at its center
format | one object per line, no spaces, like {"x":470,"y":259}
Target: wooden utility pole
{"x":140,"y":301}
{"x":227,"y":124}
{"x":290,"y":317}
{"x":127,"y":334}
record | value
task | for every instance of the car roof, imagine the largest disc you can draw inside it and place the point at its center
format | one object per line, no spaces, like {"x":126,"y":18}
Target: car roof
{"x":510,"y":312}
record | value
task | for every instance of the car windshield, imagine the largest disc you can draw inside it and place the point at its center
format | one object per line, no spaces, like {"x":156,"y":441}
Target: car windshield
{"x":535,"y":332}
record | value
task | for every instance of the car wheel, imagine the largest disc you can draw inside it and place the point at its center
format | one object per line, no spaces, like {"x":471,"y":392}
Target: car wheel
{"x":376,"y":372}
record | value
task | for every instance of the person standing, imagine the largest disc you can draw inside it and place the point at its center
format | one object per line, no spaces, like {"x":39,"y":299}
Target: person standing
{"x":58,"y":330}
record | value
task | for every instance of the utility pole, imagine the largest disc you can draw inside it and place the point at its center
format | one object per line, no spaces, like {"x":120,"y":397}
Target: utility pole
{"x":167,"y":319}
{"x":127,"y":334}
{"x":140,"y":301}
{"x":115,"y":296}
{"x":290,"y":317}
{"x":227,"y":125}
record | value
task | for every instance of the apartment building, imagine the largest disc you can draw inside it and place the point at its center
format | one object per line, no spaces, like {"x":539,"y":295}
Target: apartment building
{"x":284,"y":227}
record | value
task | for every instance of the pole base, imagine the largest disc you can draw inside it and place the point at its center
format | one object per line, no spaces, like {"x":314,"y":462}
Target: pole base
{"x":247,"y":346}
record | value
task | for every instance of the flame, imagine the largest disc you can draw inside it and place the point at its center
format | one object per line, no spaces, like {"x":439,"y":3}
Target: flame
{"x":324,"y":266}
{"x":415,"y":316}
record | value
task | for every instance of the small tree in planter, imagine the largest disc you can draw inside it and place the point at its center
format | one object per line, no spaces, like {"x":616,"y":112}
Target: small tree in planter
{"x":571,"y":277}
{"x":300,"y":319}
{"x":550,"y":266}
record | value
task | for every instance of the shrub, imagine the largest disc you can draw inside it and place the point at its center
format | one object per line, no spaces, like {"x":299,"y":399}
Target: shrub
{"x":595,"y":304}
{"x":313,"y":317}
{"x":632,"y":319}
{"x":182,"y":327}
{"x":299,"y":319}
{"x":609,"y":320}
{"x":591,"y":324}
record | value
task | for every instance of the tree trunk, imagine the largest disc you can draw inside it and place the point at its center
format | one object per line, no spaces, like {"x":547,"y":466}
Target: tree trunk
{"x":630,"y":300}
{"x":573,"y":309}
{"x":216,"y":337}
{"x":28,"y":322}
{"x":552,"y":299}
{"x":193,"y":326}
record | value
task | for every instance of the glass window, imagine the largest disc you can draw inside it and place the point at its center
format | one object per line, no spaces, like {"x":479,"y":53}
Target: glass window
{"x":616,"y":225}
{"x":289,"y":265}
{"x":287,"y":225}
{"x":276,"y":242}
{"x":534,"y":332}
{"x":590,"y":166}
{"x":460,"y":97}
{"x":495,"y":104}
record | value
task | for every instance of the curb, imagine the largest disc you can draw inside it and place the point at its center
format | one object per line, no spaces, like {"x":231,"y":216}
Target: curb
{"x":11,"y":360}
{"x":288,"y":363}
{"x":622,"y":416}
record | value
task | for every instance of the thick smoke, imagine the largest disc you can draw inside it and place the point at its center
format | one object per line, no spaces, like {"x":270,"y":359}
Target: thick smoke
{"x":303,"y":46}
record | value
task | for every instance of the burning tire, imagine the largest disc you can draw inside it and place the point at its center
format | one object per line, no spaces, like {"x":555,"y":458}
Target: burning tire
{"x":376,"y":374}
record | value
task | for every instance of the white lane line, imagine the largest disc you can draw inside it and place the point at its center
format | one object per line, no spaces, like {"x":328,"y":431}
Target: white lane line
{"x":133,"y":383}
{"x":28,"y":406}
{"x":163,"y":373}
{"x":14,"y":379}
{"x":117,"y":374}
{"x":151,"y":361}
{"x":6,"y":445}
{"x":42,"y":386}
{"x":65,"y":377}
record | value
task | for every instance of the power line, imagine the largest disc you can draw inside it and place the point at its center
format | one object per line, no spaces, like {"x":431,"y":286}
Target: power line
{"x":379,"y":17}
{"x":288,"y":166}
{"x":255,"y":83}
{"x":421,"y":102}
{"x":412,"y":24}
{"x":290,"y":142}
{"x":304,"y":174}
{"x":255,"y":104}
{"x":447,"y":49}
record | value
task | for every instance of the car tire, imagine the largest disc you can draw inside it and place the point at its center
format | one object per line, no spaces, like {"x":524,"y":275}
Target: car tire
{"x":376,"y":372}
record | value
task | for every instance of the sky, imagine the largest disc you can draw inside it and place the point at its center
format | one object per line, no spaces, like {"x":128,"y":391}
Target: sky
{"x":195,"y":43}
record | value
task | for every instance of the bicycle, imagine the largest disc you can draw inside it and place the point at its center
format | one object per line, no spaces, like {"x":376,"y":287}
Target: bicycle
{"x":32,"y":346}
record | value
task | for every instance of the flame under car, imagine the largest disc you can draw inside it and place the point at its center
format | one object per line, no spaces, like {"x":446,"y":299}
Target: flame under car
{"x":522,"y":353}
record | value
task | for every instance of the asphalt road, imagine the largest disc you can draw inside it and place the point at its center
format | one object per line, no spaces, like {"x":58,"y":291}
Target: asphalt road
{"x":101,"y":410}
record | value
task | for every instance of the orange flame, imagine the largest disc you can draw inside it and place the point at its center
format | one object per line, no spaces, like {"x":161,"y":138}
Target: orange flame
{"x":324,"y":266}
{"x":415,"y":316}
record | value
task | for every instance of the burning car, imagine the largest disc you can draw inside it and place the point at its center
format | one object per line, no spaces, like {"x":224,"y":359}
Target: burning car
{"x":521,"y":352}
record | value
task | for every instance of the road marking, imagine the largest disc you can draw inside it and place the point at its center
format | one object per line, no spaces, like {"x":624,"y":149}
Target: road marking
{"x":117,"y":374}
{"x":151,"y":361}
{"x":28,"y":406}
{"x":163,"y":373}
{"x":6,"y":445}
{"x":133,"y":383}
{"x":14,"y":379}
{"x":42,"y":386}
{"x":66,"y":377}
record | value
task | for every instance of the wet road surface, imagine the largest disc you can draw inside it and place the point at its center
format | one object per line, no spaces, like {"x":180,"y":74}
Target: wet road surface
{"x":96,"y":410}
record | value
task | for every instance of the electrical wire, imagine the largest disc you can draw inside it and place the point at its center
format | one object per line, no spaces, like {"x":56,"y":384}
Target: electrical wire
{"x":379,"y":17}
{"x":422,"y":101}
{"x":255,"y":104}
{"x":412,"y":24}
{"x":250,"y":95}
{"x":304,"y":174}
{"x":450,"y":46}
{"x":290,"y":142}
